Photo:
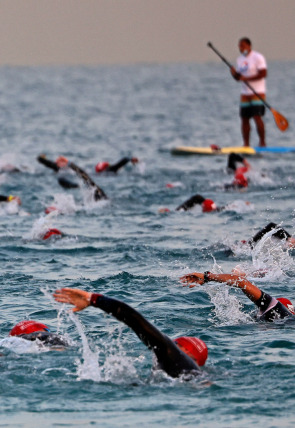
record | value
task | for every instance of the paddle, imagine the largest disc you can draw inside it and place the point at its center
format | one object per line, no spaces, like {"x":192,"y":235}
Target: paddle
{"x":281,"y":121}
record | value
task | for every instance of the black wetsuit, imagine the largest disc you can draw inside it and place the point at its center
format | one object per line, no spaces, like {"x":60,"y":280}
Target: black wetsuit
{"x":233,"y":159}
{"x":64,"y":182}
{"x":191,"y":202}
{"x":45,"y":337}
{"x":280,"y":233}
{"x":98,"y":192}
{"x":3,"y":198}
{"x":271,"y":309}
{"x":115,"y":167}
{"x":170,"y":358}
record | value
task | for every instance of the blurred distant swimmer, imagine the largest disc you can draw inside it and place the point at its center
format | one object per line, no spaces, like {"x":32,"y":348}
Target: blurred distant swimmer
{"x":10,"y":198}
{"x":52,"y":232}
{"x":9,"y":168}
{"x":270,"y":308}
{"x":33,"y":330}
{"x":114,"y":168}
{"x":240,"y":179}
{"x":181,"y":356}
{"x":61,"y":163}
{"x":207,"y":205}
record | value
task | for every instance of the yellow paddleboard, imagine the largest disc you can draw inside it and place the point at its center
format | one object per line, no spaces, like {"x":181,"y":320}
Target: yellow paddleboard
{"x":187,"y":150}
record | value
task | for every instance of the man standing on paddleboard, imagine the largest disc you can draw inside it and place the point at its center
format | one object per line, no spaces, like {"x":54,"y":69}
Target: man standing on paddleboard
{"x":251,"y":68}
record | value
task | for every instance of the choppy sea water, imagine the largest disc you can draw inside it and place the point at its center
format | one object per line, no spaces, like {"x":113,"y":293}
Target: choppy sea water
{"x":126,"y":249}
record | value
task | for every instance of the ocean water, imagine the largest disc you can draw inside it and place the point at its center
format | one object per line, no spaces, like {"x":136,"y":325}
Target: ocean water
{"x":126,"y":249}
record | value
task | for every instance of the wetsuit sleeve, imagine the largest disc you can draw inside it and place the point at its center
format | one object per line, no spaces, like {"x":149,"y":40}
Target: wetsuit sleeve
{"x":280,"y":233}
{"x":233,"y":159}
{"x":271,"y":309}
{"x":48,"y":163}
{"x":115,"y":167}
{"x":98,"y":192}
{"x":3,"y":198}
{"x":190,"y":203}
{"x":170,"y":358}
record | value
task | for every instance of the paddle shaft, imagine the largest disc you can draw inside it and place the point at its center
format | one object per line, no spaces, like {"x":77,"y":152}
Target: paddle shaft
{"x":230,"y":66}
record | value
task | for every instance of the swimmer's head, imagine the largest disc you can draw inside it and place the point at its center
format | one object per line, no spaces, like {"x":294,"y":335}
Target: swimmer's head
{"x":61,"y":162}
{"x":27,"y":327}
{"x":240,"y":180}
{"x":287,"y":303}
{"x":51,"y":232}
{"x":101,"y":166}
{"x":208,"y":205}
{"x":163,"y":210}
{"x":194,"y":348}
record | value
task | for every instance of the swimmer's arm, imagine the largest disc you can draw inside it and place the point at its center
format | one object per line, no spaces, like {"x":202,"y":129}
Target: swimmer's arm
{"x":82,"y":174}
{"x":251,"y":291}
{"x":98,"y":193}
{"x":115,"y":167}
{"x":81,"y":299}
{"x":46,"y":162}
{"x":246,"y":163}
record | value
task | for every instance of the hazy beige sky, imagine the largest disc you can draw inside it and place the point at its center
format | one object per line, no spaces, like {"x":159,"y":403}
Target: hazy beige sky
{"x":129,"y":31}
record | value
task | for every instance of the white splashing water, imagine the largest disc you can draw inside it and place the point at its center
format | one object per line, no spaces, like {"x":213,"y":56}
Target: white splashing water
{"x":271,"y":257}
{"x":240,"y":207}
{"x":65,"y":204}
{"x":40,"y":226}
{"x":227,"y":307}
{"x":89,"y":367}
{"x":22,"y":346}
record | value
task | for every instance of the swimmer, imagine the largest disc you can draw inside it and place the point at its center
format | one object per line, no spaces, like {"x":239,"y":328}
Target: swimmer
{"x":62,"y":163}
{"x":10,"y":198}
{"x":240,"y":180}
{"x":270,"y":308}
{"x":207,"y":204}
{"x":52,"y":232}
{"x":33,"y":330}
{"x":63,"y":181}
{"x":234,"y":159}
{"x":106,"y":167}
{"x":279,"y":233}
{"x":181,"y":356}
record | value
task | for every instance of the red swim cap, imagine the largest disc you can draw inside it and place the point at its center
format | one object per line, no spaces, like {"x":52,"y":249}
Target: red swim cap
{"x":208,"y":205}
{"x":51,"y":232}
{"x":101,"y":166}
{"x":240,"y":180}
{"x":194,"y":347}
{"x":61,"y":162}
{"x":50,"y":209}
{"x":287,"y":303}
{"x":27,"y":327}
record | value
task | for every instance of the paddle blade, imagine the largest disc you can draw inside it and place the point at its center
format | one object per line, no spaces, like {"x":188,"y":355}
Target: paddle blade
{"x":281,"y":121}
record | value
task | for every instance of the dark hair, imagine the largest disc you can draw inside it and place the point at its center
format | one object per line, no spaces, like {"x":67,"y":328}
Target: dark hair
{"x":246,"y":40}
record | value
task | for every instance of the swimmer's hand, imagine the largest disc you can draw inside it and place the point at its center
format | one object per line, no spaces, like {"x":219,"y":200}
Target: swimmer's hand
{"x":79,"y":298}
{"x":192,"y":279}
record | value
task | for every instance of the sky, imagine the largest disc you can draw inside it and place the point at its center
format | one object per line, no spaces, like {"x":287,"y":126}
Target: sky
{"x":70,"y":32}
